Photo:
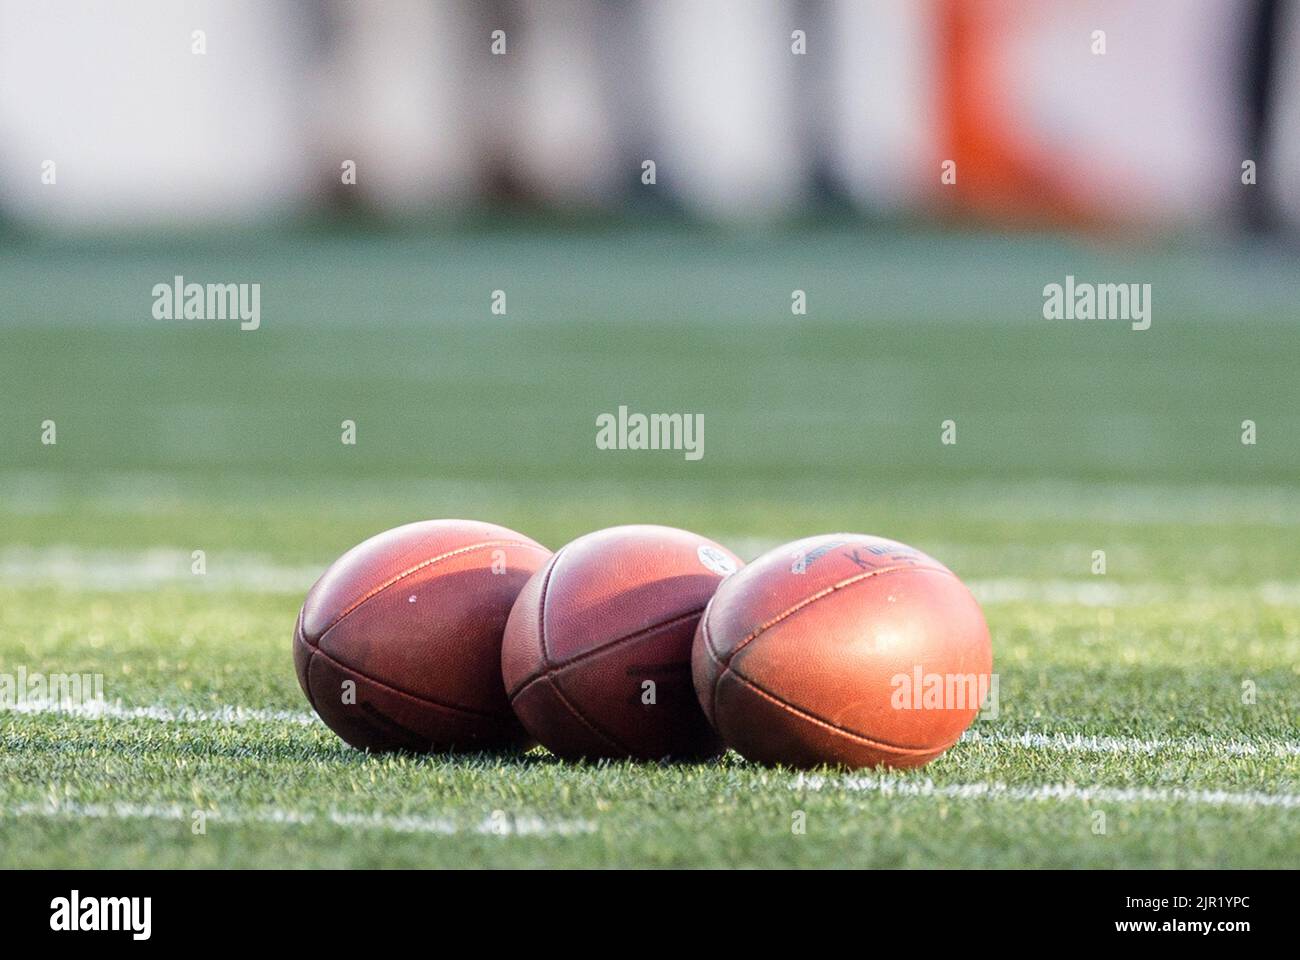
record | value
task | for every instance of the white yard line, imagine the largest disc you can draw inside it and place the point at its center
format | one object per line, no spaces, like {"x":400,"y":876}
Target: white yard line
{"x":1096,"y":592}
{"x":883,"y":784}
{"x":1084,"y":743}
{"x":495,"y":824}
{"x":1100,"y":592}
{"x":503,"y":825}
{"x":1049,"y":742}
{"x":113,"y":570}
{"x":43,"y":492}
{"x":82,"y":568}
{"x":223,"y":714}
{"x":896,"y":787}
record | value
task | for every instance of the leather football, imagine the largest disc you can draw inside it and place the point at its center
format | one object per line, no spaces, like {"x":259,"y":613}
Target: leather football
{"x":398,"y":644}
{"x":843,"y":649}
{"x":597,"y":652}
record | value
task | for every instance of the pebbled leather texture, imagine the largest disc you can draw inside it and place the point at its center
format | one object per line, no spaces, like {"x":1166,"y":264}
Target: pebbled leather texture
{"x":797,"y":659}
{"x":414,"y":617}
{"x":612,"y":610}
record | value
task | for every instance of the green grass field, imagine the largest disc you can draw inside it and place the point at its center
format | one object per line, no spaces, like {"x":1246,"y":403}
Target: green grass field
{"x":1120,"y":694}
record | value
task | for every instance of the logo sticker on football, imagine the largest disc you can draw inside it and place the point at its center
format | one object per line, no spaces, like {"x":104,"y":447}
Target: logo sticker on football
{"x":715,"y":560}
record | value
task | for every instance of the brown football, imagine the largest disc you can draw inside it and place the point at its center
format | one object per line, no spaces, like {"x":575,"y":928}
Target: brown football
{"x":597,"y":653}
{"x":398,"y":645}
{"x":842,"y":649}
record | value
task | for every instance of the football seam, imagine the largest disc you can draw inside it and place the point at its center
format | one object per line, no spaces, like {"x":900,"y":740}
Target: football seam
{"x":708,"y":648}
{"x":428,"y":701}
{"x":590,"y":724}
{"x":820,"y":594}
{"x":550,"y":669}
{"x":298,"y":637}
{"x":545,"y":673}
{"x":416,"y":742}
{"x":398,"y":577}
{"x":814,"y":719}
{"x":541,"y":603}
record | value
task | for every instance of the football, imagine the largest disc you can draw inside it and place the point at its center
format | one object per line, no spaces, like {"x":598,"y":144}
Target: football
{"x":597,"y":652}
{"x":843,"y":649}
{"x":398,"y":644}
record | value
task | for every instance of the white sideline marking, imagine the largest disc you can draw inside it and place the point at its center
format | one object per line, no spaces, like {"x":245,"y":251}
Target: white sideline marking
{"x":503,"y":826}
{"x":895,"y":787}
{"x":1062,"y":742}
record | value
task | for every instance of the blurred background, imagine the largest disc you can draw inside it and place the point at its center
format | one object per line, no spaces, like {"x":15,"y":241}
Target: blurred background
{"x":647,"y":184}
{"x":744,"y":118}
